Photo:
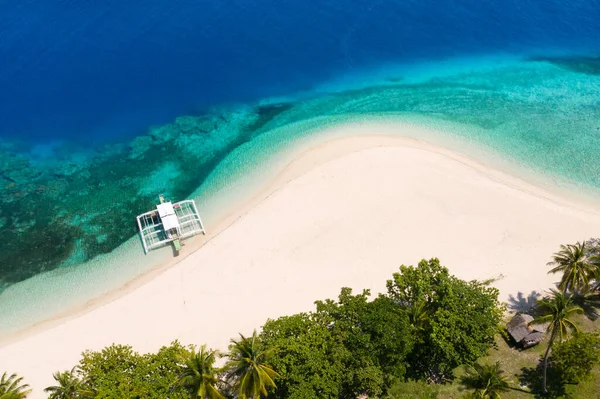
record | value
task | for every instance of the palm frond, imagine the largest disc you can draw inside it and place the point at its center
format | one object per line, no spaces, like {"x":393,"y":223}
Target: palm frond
{"x":199,"y":374}
{"x":487,"y":380}
{"x":556,"y":309}
{"x":12,"y":387}
{"x":246,"y":368}
{"x":577,"y":264}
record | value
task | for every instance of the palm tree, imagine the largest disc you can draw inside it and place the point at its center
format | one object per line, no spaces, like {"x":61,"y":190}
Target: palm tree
{"x":418,"y":315}
{"x":247,"y":369}
{"x":199,"y":375}
{"x":576,"y":265}
{"x":69,"y":386}
{"x":487,"y":380}
{"x":11,"y":387}
{"x":556,"y":310}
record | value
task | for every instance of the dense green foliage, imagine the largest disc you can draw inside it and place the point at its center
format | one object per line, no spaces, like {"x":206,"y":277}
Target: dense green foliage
{"x":119,"y":372}
{"x":575,"y":358}
{"x":376,"y":338}
{"x":247,"y":370}
{"x":12,"y":387}
{"x":486,"y":380}
{"x":456,"y":322}
{"x":309,"y":356}
{"x":428,"y":323}
{"x":174,"y":372}
{"x":344,"y":349}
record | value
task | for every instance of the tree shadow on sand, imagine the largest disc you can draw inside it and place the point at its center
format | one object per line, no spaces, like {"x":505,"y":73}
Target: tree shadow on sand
{"x":522,"y":303}
{"x":588,"y":301}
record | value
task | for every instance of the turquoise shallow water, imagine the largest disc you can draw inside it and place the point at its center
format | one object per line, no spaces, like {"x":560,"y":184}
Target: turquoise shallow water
{"x":66,"y":211}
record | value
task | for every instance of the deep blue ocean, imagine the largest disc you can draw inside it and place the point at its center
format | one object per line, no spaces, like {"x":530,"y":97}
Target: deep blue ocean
{"x":95,"y":71}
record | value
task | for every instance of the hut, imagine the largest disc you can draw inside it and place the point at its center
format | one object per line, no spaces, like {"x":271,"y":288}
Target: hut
{"x":522,"y":333}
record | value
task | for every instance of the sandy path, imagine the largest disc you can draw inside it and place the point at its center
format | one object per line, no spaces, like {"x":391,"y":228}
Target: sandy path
{"x":347,"y":213}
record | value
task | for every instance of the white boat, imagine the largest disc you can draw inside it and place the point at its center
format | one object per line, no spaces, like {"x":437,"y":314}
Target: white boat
{"x":170,"y":223}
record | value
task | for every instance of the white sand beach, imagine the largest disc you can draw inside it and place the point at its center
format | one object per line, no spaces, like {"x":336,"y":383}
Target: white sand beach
{"x":347,"y":212}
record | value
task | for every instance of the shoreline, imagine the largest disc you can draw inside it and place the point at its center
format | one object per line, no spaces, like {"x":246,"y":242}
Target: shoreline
{"x":330,"y":144}
{"x":314,"y":218}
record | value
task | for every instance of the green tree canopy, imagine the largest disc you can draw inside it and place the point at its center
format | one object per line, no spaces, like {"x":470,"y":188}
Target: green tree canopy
{"x":457,"y":320}
{"x":377,"y":338}
{"x":119,"y":372}
{"x":307,"y":354}
{"x":428,"y":323}
{"x":575,"y":358}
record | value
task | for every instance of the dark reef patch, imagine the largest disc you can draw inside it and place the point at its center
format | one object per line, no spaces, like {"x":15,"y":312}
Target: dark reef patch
{"x":581,"y":64}
{"x":266,"y":113}
{"x":48,"y":216}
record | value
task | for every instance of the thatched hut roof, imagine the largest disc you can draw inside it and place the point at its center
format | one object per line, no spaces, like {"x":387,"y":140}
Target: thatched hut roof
{"x":518,"y":327}
{"x":532,"y":339}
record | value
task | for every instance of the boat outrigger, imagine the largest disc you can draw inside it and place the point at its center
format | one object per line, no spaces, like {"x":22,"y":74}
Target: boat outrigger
{"x":169,"y":223}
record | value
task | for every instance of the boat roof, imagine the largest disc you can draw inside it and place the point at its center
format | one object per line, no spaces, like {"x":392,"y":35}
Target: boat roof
{"x":170,"y":222}
{"x":165,"y":209}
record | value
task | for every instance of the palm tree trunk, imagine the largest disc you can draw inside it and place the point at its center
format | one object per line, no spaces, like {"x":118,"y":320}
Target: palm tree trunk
{"x":546,"y":358}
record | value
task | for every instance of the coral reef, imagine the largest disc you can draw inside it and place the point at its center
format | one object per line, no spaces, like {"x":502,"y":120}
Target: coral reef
{"x":55,"y":211}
